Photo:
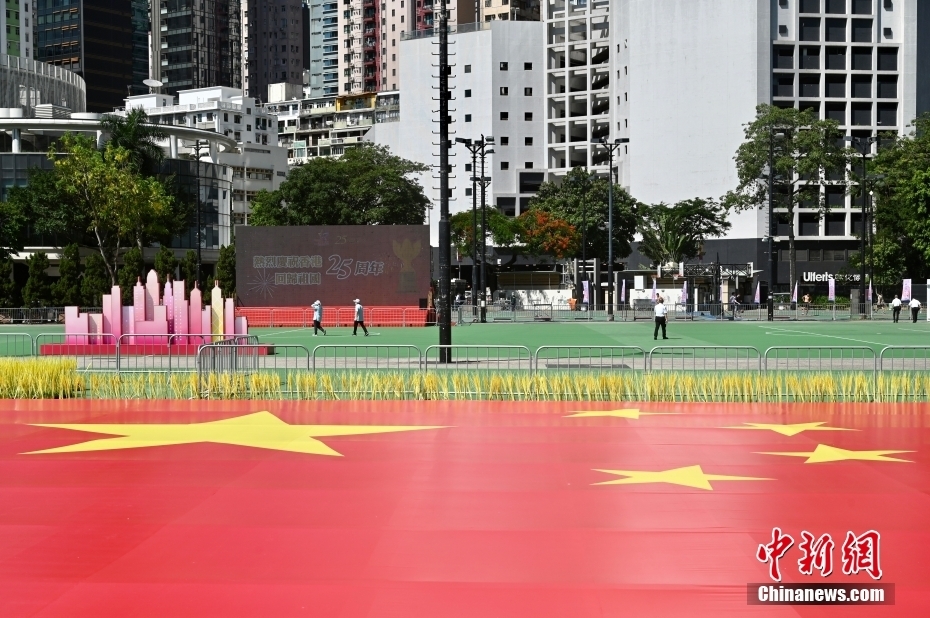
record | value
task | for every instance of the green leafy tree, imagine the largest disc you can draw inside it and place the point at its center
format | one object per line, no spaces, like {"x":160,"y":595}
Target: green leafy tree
{"x":67,"y":290}
{"x":807,"y":155}
{"x":501,"y":230}
{"x":226,"y":270}
{"x":580,"y":199}
{"x":366,"y":186}
{"x":135,"y":134}
{"x":166,"y":264}
{"x":130,"y":273}
{"x":901,"y":246}
{"x":14,"y":215}
{"x":677,"y":233}
{"x":189,"y":270}
{"x":38,"y":289}
{"x":9,"y":291}
{"x":95,"y":282}
{"x":121,"y":206}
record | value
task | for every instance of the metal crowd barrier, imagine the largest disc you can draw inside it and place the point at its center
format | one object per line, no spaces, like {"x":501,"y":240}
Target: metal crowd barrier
{"x":483,"y":357}
{"x":397,"y":357}
{"x":904,"y":358}
{"x":16,"y":344}
{"x":590,"y":357}
{"x":223,"y":357}
{"x":93,"y":351}
{"x":704,"y":358}
{"x":820,"y":358}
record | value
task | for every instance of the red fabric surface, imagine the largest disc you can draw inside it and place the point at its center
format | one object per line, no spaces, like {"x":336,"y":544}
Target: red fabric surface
{"x":497,"y":514}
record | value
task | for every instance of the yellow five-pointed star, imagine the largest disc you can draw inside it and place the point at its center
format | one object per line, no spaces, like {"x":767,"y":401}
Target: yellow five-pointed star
{"x":689,"y":476}
{"x":633,"y":413}
{"x":791,"y":430}
{"x":824,"y":453}
{"x":258,"y":430}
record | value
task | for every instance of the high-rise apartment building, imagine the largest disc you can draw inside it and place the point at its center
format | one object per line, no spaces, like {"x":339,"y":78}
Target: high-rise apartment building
{"x":197,"y":43}
{"x":514,"y":10}
{"x":16,"y":24}
{"x":141,"y":31}
{"x":93,"y":38}
{"x":273,"y":45}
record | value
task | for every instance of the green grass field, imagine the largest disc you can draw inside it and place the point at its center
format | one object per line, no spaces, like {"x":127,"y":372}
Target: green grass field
{"x":761,"y":335}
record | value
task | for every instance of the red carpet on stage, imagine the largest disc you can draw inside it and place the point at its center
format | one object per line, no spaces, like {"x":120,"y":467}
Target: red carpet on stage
{"x":454,"y":509}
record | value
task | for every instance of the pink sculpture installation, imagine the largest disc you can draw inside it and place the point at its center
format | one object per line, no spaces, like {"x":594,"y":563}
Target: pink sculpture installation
{"x":155,"y":323}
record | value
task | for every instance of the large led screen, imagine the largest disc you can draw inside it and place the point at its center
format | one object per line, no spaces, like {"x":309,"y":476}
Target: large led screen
{"x":386,"y":265}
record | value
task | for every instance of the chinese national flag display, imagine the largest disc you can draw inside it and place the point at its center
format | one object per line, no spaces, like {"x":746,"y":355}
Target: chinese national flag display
{"x":458,"y":509}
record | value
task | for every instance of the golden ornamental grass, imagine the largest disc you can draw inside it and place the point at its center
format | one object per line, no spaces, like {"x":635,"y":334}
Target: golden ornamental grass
{"x":50,"y":378}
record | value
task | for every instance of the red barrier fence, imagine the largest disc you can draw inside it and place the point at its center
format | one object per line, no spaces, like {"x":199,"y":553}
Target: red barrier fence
{"x":302,"y":317}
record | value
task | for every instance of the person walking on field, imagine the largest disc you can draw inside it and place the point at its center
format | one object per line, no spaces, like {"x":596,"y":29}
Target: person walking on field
{"x":359,"y":318}
{"x":896,"y":308}
{"x":915,"y":309}
{"x":317,"y":317}
{"x":661,"y":312}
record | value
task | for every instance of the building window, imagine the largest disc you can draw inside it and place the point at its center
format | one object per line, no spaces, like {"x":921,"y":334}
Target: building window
{"x":468,"y":167}
{"x":505,"y":115}
{"x":505,"y":165}
{"x":468,"y":68}
{"x":505,"y":141}
{"x":468,"y":94}
{"x":528,"y":116}
{"x":467,"y":117}
{"x":468,"y":191}
{"x":505,"y":91}
{"x":527,"y":92}
{"x":527,"y":66}
{"x":527,"y":141}
{"x":503,"y":66}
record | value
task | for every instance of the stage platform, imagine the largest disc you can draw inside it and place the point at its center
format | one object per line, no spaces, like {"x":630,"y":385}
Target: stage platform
{"x":452,"y":509}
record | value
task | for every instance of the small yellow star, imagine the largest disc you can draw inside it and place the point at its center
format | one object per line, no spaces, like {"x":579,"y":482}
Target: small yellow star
{"x":791,"y":430}
{"x":633,"y":413}
{"x":824,"y":453}
{"x":258,"y":430}
{"x":689,"y":476}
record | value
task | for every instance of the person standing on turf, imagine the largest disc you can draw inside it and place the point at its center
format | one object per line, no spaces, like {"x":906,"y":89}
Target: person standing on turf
{"x":317,"y":317}
{"x":359,"y":318}
{"x":915,"y":309}
{"x":896,"y":308}
{"x":661,"y":312}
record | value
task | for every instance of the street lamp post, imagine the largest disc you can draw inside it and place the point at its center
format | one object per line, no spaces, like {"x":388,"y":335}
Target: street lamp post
{"x":475,"y":147}
{"x":485,"y":181}
{"x":197,"y":164}
{"x":863,"y":146}
{"x":611,"y":147}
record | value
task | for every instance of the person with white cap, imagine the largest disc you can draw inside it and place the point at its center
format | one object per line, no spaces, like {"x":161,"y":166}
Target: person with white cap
{"x":317,"y":317}
{"x":359,"y":318}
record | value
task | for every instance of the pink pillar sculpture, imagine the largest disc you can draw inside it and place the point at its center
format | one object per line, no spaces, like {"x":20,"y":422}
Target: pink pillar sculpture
{"x":168,"y":302}
{"x":195,"y":323}
{"x":152,"y":297}
{"x":116,"y":314}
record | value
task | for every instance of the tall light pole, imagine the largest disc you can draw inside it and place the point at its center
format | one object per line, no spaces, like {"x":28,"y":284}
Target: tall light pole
{"x":864,"y":147}
{"x":611,"y":147}
{"x":485,"y":181}
{"x":475,"y":147}
{"x":773,"y":225}
{"x":444,"y":312}
{"x":199,"y":208}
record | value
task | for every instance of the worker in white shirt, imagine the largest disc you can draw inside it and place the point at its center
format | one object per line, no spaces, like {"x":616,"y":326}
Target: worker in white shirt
{"x":661,"y":312}
{"x":896,"y":308}
{"x":359,"y":318}
{"x":317,"y":317}
{"x":915,"y":309}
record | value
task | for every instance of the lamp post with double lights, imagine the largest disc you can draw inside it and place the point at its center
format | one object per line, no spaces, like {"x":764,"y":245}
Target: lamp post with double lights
{"x":484,"y":181}
{"x":864,"y":147}
{"x":773,"y":225}
{"x":611,"y":147}
{"x":476,"y":148}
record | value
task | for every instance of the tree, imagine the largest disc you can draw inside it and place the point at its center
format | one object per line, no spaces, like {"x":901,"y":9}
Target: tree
{"x":366,"y":186}
{"x":901,"y":246}
{"x":14,"y":215}
{"x":166,"y":264}
{"x":501,"y":230}
{"x":189,"y":270}
{"x":677,"y":233}
{"x":95,"y":282}
{"x":139,"y":137}
{"x":120,"y":205}
{"x":543,"y":234}
{"x":67,"y":290}
{"x":580,"y":200}
{"x":226,"y":270}
{"x":9,"y":291}
{"x":807,"y":154}
{"x":131,"y":272}
{"x":38,"y":290}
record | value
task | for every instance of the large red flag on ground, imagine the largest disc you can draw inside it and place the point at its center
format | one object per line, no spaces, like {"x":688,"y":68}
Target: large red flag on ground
{"x":458,"y":509}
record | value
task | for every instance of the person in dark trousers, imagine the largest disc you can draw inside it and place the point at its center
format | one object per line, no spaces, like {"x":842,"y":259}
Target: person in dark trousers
{"x":317,"y":317}
{"x":359,"y":318}
{"x":661,"y":313}
{"x":915,"y":309}
{"x":896,"y":308}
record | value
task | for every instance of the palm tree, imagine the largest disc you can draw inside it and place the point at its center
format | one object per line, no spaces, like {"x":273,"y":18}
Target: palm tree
{"x":140,"y":137}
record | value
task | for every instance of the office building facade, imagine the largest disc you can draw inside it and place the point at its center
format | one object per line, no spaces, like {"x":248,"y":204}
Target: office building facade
{"x":16,"y":24}
{"x":273,"y":45}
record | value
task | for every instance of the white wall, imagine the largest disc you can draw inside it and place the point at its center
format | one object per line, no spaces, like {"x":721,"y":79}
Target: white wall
{"x":697,"y":70}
